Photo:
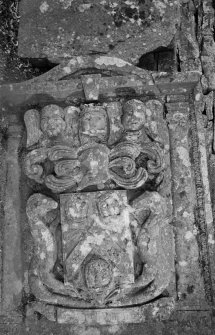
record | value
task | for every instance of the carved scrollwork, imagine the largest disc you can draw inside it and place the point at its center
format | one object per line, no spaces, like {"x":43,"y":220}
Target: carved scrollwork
{"x":122,"y":167}
{"x":129,"y":164}
{"x":67,"y":167}
{"x":32,"y":164}
{"x":95,"y":165}
{"x":61,"y":184}
{"x":58,"y":152}
{"x":154,"y":156}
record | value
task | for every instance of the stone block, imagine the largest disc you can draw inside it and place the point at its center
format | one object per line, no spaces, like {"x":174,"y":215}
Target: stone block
{"x":57,"y":29}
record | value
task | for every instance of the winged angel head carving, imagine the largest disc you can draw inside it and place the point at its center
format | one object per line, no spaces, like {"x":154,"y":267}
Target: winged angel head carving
{"x":94,"y":145}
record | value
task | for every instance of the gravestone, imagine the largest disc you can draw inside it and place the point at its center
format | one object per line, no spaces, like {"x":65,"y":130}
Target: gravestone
{"x":108,"y":219}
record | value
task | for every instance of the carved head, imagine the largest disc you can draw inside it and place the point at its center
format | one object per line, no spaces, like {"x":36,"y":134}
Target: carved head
{"x":77,"y":210}
{"x":109,"y":205}
{"x":94,"y":123}
{"x":52,"y":120}
{"x":40,"y":207}
{"x":133,"y":115}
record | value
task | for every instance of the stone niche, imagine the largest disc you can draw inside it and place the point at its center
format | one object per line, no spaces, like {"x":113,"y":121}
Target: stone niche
{"x":105,"y":153}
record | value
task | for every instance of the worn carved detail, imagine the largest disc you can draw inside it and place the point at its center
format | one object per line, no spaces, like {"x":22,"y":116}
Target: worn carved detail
{"x":41,"y":212}
{"x":32,"y":121}
{"x":95,"y":144}
{"x":111,"y":251}
{"x":104,"y":242}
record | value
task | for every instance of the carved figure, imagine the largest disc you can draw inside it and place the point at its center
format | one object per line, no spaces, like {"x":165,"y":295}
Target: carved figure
{"x":111,"y":251}
{"x":52,"y":120}
{"x":133,"y":121}
{"x":41,"y":212}
{"x":97,"y":236}
{"x":140,"y":122}
{"x":93,"y":124}
{"x":148,"y":216}
{"x":143,"y":122}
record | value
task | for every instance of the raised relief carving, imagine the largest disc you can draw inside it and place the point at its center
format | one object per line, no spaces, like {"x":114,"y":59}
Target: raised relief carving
{"x":99,"y":244}
{"x":111,"y":251}
{"x":42,"y":212}
{"x":95,"y":145}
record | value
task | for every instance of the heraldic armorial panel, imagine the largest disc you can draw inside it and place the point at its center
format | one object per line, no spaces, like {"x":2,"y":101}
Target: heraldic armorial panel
{"x":100,"y":210}
{"x":96,"y":156}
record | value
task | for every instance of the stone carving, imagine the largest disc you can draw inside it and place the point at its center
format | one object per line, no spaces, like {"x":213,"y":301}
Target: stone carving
{"x":94,"y":145}
{"x":41,"y":212}
{"x":111,"y":251}
{"x":106,"y":195}
{"x":32,"y":121}
{"x":98,"y":244}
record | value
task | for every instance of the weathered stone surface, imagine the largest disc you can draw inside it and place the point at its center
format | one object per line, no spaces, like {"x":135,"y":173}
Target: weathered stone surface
{"x":187,"y":46}
{"x":62,"y":85}
{"x":12,"y":278}
{"x":187,"y":261}
{"x":32,"y":121}
{"x":126,"y":29}
{"x":66,"y":128}
{"x":205,"y":222}
{"x":159,"y":310}
{"x":180,"y":323}
{"x":170,"y":99}
{"x":96,"y":249}
{"x":208,"y":46}
{"x":97,"y":245}
{"x":85,"y":157}
{"x":100,"y":246}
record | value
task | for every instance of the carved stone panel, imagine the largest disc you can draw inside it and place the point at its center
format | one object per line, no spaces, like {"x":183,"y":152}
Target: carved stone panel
{"x":114,"y":254}
{"x":100,"y":206}
{"x":107,"y":250}
{"x":109,"y":163}
{"x":97,"y":245}
{"x":116,"y":144}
